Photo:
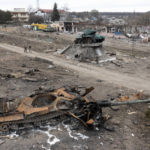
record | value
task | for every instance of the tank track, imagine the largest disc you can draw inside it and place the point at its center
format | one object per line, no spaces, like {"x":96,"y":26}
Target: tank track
{"x":5,"y":127}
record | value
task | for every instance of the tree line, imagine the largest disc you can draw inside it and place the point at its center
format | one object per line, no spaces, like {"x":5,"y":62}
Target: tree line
{"x":55,"y":16}
{"x":144,"y":19}
{"x":5,"y":17}
{"x":94,"y":16}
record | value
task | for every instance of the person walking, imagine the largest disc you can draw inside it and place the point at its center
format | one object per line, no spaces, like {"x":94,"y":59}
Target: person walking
{"x":25,"y":49}
{"x":29,"y":48}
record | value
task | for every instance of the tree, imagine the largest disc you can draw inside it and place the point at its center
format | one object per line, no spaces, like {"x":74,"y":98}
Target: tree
{"x":144,"y":19}
{"x":5,"y":16}
{"x":55,"y":14}
{"x":31,"y":10}
{"x":8,"y":16}
{"x":96,"y":17}
{"x":95,"y":13}
{"x":35,"y":19}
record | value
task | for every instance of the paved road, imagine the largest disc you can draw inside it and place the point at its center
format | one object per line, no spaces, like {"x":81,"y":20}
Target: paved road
{"x":89,"y":70}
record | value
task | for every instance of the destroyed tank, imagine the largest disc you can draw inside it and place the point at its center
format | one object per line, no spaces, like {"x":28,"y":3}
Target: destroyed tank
{"x":41,"y":107}
{"x":88,"y":37}
{"x":34,"y":109}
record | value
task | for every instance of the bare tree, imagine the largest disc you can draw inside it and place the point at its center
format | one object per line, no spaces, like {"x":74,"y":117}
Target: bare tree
{"x":35,"y":19}
{"x":144,"y":19}
{"x":30,"y":9}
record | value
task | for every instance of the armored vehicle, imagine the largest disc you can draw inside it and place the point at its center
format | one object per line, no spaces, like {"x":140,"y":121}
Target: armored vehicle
{"x":89,"y":36}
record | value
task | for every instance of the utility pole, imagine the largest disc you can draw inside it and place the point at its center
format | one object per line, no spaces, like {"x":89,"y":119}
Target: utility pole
{"x":135,"y":32}
{"x":38,"y":5}
{"x":133,"y":45}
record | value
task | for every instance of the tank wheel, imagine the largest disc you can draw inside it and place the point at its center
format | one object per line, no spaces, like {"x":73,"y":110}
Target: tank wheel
{"x":4,"y":127}
{"x":84,"y":41}
{"x":89,"y":40}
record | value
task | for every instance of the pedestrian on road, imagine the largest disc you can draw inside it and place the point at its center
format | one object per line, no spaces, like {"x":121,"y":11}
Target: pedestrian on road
{"x":25,"y":49}
{"x":30,"y":48}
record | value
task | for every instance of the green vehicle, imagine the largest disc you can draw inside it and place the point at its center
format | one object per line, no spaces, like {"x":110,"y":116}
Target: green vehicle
{"x":88,"y":37}
{"x":49,"y":29}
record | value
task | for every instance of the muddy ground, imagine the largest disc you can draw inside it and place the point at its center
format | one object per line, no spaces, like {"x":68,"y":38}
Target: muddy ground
{"x":131,"y":127}
{"x":136,"y":62}
{"x":130,"y":132}
{"x":39,"y":41}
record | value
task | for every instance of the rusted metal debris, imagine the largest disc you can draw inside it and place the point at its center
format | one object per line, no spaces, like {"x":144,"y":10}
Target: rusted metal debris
{"x":135,"y":96}
{"x":43,"y":106}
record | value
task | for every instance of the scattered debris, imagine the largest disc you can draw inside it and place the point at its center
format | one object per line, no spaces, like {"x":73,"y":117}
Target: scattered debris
{"x":32,"y":71}
{"x":63,"y":50}
{"x":1,"y":141}
{"x":12,"y":75}
{"x":99,"y":80}
{"x":49,"y":51}
{"x":147,"y":114}
{"x":135,"y":96}
{"x":23,"y":65}
{"x":18,"y":75}
{"x":108,"y":60}
{"x":115,"y":63}
{"x":30,"y":79}
{"x":132,"y":134}
{"x":51,"y":66}
{"x":131,"y":113}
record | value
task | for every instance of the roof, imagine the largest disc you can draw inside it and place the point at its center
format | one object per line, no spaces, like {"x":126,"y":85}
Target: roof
{"x":19,"y":12}
{"x":50,"y":10}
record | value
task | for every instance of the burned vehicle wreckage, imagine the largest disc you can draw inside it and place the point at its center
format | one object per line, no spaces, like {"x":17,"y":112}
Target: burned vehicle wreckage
{"x":43,"y":106}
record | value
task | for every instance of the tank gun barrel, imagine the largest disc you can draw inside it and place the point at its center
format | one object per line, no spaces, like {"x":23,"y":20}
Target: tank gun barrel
{"x":109,"y":104}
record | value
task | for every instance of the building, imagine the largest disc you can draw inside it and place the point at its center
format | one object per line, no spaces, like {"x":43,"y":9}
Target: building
{"x":65,"y":26}
{"x":46,"y":14}
{"x":19,"y":14}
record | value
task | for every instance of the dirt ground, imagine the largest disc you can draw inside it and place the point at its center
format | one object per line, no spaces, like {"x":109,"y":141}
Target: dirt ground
{"x":130,"y":124}
{"x":129,"y":129}
{"x":133,"y":63}
{"x":39,"y":41}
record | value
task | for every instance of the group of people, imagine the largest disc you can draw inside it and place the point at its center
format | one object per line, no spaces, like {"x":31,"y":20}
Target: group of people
{"x":27,"y":49}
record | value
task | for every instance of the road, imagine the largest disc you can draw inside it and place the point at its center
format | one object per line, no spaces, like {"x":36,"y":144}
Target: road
{"x":88,"y":70}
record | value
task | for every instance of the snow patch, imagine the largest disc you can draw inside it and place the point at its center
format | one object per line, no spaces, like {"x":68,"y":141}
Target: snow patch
{"x":13,"y":135}
{"x":107,"y":60}
{"x":76,"y":136}
{"x":82,"y":136}
{"x":52,"y":139}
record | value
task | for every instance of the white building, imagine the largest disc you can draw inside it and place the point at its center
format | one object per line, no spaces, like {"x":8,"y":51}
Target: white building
{"x":46,"y":14}
{"x":20,"y":14}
